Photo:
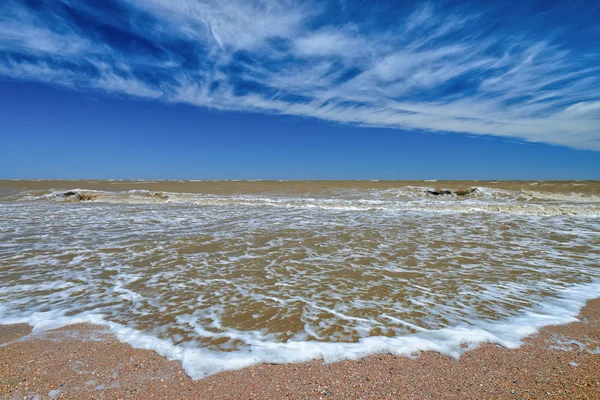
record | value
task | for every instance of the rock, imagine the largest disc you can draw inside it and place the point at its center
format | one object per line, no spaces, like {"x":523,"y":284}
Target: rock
{"x":70,"y":195}
{"x":443,"y":192}
{"x":76,"y":196}
{"x":438,"y":192}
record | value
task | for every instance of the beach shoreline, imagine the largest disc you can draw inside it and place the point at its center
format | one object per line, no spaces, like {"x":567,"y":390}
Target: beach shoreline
{"x":86,"y":361}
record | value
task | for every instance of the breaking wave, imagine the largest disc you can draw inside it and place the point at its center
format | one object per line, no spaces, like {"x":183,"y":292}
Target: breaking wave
{"x":409,"y":198}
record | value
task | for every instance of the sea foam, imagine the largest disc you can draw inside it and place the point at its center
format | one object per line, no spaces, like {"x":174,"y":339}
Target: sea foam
{"x":450,"y":341}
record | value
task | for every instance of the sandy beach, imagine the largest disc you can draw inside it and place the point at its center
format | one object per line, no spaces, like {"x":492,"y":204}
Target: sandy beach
{"x":290,"y":199}
{"x":87,"y":362}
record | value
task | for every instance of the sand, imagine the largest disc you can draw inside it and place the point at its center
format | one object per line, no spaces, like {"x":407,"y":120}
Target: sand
{"x":87,"y":362}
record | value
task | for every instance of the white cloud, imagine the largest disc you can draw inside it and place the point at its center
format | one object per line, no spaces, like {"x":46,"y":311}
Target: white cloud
{"x":331,"y":43}
{"x":584,"y":107}
{"x":239,"y":24}
{"x":30,"y":38}
{"x":431,"y":73}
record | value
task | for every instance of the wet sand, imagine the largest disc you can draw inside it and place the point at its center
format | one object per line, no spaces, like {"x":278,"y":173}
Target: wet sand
{"x":87,"y":362}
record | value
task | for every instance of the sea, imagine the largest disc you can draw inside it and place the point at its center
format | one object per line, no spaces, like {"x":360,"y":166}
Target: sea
{"x":222,"y":275}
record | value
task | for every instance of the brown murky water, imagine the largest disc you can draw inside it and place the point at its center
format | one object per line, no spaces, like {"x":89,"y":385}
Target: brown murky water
{"x":225,"y":274}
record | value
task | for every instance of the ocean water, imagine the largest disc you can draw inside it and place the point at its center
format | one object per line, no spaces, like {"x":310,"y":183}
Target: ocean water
{"x":222,"y":275}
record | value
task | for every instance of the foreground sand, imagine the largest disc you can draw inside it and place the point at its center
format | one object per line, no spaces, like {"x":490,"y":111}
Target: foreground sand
{"x":85,"y":362}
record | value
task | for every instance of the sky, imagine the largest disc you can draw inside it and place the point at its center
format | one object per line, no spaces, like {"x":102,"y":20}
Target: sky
{"x":284,"y":89}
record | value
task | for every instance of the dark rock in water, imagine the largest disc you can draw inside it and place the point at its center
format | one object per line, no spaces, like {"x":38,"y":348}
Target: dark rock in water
{"x":465,"y":192}
{"x":76,"y":196}
{"x":68,"y":194}
{"x":438,"y":192}
{"x":443,"y":192}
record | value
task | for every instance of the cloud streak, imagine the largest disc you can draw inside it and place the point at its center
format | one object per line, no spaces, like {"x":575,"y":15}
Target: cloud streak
{"x":428,"y":68}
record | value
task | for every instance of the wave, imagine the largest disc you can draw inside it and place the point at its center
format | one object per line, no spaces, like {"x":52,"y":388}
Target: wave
{"x":452,"y":341}
{"x":405,"y":199}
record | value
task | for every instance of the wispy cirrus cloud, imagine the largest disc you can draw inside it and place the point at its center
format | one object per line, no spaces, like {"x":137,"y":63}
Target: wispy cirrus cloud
{"x":424,"y":67}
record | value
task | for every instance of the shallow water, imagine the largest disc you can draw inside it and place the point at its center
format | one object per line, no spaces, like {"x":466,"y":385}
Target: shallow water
{"x":221,"y":275}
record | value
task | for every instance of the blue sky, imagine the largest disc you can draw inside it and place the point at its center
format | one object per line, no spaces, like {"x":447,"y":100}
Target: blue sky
{"x":282,"y":89}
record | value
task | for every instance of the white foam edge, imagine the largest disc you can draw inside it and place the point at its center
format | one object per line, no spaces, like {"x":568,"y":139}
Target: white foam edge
{"x":198,"y":362}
